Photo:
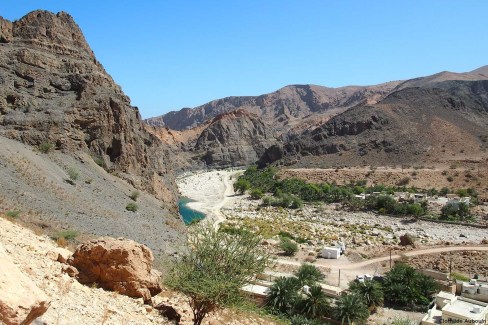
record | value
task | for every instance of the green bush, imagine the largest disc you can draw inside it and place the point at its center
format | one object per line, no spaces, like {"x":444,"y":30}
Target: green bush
{"x":13,"y":213}
{"x":73,"y":174}
{"x":256,"y":194}
{"x":456,"y":211}
{"x":65,"y":234}
{"x":459,"y":276}
{"x":134,"y":195}
{"x":288,"y":246}
{"x":242,"y":185}
{"x":45,"y":147}
{"x":132,"y":207}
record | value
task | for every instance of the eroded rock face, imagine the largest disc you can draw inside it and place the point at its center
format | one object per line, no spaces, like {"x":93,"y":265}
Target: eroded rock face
{"x":21,"y":301}
{"x":120,"y":265}
{"x":53,"y":90}
{"x":234,"y":139}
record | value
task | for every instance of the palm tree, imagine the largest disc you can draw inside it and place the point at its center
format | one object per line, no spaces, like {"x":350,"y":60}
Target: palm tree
{"x":370,"y":291}
{"x":283,"y":294}
{"x":315,"y":304}
{"x":308,"y":274}
{"x":350,"y":309}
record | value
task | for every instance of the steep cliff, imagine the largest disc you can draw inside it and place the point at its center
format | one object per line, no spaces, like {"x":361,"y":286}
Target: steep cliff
{"x":53,"y":90}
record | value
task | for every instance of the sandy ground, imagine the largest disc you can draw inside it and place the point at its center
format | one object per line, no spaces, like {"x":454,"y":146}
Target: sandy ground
{"x":210,"y":191}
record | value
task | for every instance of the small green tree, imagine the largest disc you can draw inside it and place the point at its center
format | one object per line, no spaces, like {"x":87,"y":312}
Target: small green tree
{"x":215,"y":267}
{"x":288,"y":246}
{"x":350,"y":309}
{"x":242,"y":185}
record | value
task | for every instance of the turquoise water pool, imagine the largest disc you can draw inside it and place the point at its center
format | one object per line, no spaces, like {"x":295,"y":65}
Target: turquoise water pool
{"x":187,"y":213}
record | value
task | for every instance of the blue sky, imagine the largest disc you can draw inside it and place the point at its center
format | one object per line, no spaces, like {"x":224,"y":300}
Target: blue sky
{"x":172,"y":54}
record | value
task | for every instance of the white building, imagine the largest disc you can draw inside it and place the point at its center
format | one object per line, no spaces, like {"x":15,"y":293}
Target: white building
{"x":474,"y":289}
{"x":331,"y":252}
{"x":451,"y":309}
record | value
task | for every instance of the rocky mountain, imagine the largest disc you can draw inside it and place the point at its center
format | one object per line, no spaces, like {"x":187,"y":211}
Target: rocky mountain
{"x":54,"y":91}
{"x":438,"y":123}
{"x":73,"y":148}
{"x":295,"y":112}
{"x":282,"y":109}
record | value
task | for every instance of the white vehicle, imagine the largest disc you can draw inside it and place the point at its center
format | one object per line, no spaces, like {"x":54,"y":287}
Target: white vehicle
{"x":361,"y":278}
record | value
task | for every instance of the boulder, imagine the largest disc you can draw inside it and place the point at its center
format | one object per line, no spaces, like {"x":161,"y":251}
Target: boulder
{"x":121,"y":265}
{"x":21,"y":301}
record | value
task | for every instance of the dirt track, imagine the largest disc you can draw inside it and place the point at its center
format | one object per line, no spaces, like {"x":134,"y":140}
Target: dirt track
{"x":330,"y":263}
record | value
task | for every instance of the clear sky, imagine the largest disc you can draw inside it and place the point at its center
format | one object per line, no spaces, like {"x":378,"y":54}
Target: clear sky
{"x":172,"y":54}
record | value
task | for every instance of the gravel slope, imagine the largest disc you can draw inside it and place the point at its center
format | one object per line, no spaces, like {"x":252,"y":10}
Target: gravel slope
{"x":35,"y":183}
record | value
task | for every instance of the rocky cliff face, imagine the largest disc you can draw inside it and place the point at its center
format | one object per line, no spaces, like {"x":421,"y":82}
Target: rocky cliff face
{"x":237,"y":138}
{"x":53,"y":90}
{"x":445,"y":121}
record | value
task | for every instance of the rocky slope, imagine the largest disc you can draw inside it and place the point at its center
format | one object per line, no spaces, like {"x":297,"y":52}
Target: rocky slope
{"x":446,"y":121}
{"x":53,"y":90}
{"x":71,"y":302}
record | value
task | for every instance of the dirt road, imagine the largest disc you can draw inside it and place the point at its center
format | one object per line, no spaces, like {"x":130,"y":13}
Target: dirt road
{"x":338,"y":264}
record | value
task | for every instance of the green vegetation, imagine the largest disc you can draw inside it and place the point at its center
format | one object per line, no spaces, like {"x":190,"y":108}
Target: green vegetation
{"x":370,"y":292}
{"x":73,"y":175}
{"x":45,"y":147}
{"x":459,"y":276}
{"x":404,"y":286}
{"x":287,"y":296}
{"x":99,"y":161}
{"x":288,"y":246}
{"x":456,"y":211}
{"x":242,"y":185}
{"x":134,"y":195}
{"x":65,"y":234}
{"x":291,"y":193}
{"x":13,"y":213}
{"x":215,"y":267}
{"x":351,"y":309}
{"x":308,"y":274}
{"x":132,"y":207}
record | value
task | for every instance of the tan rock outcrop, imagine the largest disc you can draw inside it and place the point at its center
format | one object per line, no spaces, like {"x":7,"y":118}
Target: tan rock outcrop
{"x":21,"y":301}
{"x":120,"y":265}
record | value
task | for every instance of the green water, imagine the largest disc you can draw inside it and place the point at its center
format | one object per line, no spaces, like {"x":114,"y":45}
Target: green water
{"x":187,"y":213}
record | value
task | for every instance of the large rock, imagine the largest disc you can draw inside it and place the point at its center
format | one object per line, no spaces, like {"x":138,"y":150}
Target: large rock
{"x":21,"y":301}
{"x":121,"y":265}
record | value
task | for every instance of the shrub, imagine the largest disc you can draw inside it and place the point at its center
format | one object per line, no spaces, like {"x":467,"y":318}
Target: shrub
{"x":73,"y":174}
{"x":450,"y":179}
{"x":407,"y":239}
{"x":404,"y":181}
{"x":65,"y":234}
{"x":455,"y":211}
{"x":288,"y":246}
{"x":134,"y":195}
{"x":99,"y":161}
{"x":214,"y":268}
{"x":256,"y":194}
{"x":459,"y":276}
{"x":45,"y":147}
{"x":242,"y":185}
{"x":13,"y":213}
{"x":132,"y":207}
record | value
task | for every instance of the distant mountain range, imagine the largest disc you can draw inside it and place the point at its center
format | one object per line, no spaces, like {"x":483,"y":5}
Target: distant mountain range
{"x":348,"y":123}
